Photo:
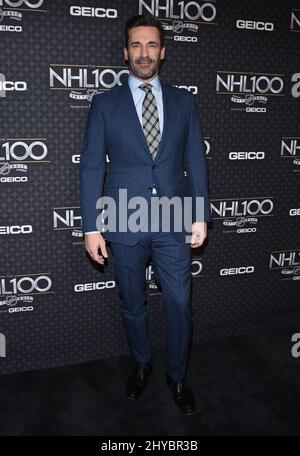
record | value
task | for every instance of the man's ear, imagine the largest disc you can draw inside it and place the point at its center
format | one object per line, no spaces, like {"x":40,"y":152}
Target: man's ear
{"x":125,"y":54}
{"x":162,"y":53}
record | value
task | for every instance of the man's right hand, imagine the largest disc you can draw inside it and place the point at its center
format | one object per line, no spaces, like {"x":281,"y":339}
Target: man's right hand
{"x":94,"y":242}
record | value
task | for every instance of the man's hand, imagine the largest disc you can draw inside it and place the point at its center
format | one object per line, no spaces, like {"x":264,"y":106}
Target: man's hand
{"x":199,"y":234}
{"x":94,"y":242}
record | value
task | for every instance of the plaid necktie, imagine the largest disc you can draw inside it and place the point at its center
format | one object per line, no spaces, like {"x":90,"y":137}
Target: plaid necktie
{"x":150,"y":120}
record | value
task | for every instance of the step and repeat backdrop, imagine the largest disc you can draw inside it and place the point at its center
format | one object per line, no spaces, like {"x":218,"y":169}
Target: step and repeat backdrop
{"x":240,"y":59}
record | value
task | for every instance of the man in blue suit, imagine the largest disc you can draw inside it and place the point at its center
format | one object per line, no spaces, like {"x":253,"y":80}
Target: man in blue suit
{"x":151,"y":132}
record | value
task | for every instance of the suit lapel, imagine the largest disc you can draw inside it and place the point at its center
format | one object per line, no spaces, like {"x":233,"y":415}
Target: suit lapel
{"x":131,"y":118}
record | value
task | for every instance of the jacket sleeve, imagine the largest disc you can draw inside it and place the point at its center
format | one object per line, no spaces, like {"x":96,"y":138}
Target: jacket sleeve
{"x":92,"y":166}
{"x":196,"y":166}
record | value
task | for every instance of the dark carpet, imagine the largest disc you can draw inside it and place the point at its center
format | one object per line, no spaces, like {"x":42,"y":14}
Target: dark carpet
{"x":243,"y":386}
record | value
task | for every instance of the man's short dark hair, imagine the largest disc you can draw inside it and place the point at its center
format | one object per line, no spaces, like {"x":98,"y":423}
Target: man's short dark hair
{"x":146,"y":21}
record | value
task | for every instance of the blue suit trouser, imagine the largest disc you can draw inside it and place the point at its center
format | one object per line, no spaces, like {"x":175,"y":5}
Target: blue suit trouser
{"x":171,"y":263}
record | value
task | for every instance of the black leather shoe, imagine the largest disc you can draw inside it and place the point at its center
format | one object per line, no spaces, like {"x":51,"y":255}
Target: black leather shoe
{"x":137,"y":381}
{"x":182,"y":394}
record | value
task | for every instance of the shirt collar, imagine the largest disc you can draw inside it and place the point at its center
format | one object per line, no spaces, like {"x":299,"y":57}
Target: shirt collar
{"x":134,"y":83}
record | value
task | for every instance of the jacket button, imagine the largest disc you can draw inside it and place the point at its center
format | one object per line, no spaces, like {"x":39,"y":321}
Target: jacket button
{"x":153,"y":166}
{"x":149,"y":189}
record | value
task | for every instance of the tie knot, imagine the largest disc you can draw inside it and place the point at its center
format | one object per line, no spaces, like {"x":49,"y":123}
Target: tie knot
{"x":146,"y":87}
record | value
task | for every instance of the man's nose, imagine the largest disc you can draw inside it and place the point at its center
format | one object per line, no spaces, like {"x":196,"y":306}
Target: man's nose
{"x":144,"y":51}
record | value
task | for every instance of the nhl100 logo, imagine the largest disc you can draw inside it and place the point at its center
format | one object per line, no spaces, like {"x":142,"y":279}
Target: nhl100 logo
{"x":17,"y":3}
{"x":179,"y":10}
{"x":19,"y":150}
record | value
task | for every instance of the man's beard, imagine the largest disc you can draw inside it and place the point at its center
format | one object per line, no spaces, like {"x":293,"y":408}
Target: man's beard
{"x":142,"y":74}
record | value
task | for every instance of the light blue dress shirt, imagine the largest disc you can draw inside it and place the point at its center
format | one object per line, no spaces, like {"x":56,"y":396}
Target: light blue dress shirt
{"x":138,"y":98}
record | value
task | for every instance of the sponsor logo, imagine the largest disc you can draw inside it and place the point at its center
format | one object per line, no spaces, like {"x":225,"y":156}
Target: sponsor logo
{"x":255,"y":25}
{"x":294,"y":212}
{"x":290,"y":149}
{"x":68,"y":219}
{"x":12,"y":17}
{"x":247,"y":155}
{"x":94,"y":286}
{"x":84,"y":81}
{"x":288,"y":262}
{"x":17,"y":293}
{"x":237,"y":270}
{"x":17,"y":155}
{"x":249,"y":91}
{"x":11,"y":86}
{"x":17,"y":3}
{"x":88,"y":11}
{"x":241,"y":216}
{"x":16,"y":229}
{"x":295,"y":21}
{"x":180,"y":19}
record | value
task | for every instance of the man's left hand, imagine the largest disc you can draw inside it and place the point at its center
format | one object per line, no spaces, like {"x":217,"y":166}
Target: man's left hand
{"x":199,"y":234}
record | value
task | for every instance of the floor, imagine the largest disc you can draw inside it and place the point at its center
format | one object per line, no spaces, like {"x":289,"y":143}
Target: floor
{"x":243,"y":386}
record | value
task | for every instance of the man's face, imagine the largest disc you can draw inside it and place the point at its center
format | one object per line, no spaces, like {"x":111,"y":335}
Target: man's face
{"x":144,"y":53}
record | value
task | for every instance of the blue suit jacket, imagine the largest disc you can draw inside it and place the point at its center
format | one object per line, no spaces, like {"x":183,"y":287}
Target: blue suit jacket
{"x":113,"y":127}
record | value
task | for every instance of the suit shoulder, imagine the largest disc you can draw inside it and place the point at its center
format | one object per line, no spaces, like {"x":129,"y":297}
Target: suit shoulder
{"x":105,"y":99}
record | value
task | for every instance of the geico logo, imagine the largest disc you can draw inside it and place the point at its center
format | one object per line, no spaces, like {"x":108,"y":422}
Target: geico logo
{"x":246,"y":155}
{"x":93,"y":12}
{"x":246,"y":230}
{"x":25,"y":285}
{"x":192,"y":89}
{"x":10,"y":28}
{"x":255,"y":25}
{"x":14,"y":179}
{"x":17,"y":3}
{"x":94,"y":286}
{"x":20,"y":309}
{"x":248,"y":109}
{"x":76,"y":158}
{"x":193,"y":39}
{"x":196,"y":267}
{"x":19,"y":150}
{"x":295,"y":211}
{"x":13,"y":85}
{"x":240,"y":270}
{"x":16,"y":229}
